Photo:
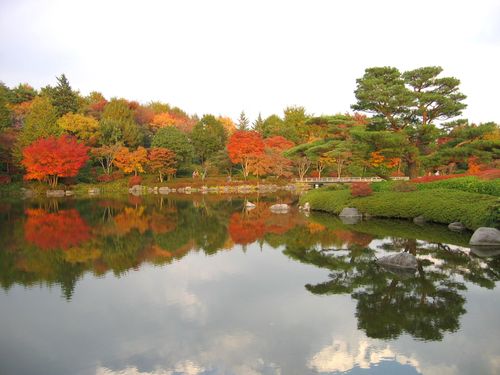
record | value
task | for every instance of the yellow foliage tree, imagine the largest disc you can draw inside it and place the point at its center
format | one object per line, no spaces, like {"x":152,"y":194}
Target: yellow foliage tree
{"x":83,"y":127}
{"x":131,"y":161}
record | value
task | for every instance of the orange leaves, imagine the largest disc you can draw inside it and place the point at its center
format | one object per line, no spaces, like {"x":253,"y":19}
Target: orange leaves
{"x":60,"y":230}
{"x":131,"y":161}
{"x":243,"y":145}
{"x":51,"y":158}
{"x":162,"y":161}
{"x":376,"y":159}
{"x":278,"y":143}
{"x":163,"y":119}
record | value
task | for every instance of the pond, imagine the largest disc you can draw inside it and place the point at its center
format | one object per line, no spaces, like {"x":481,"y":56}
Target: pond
{"x":199,"y":285}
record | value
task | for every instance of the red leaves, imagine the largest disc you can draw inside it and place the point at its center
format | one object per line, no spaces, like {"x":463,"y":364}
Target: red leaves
{"x":60,"y":230}
{"x":243,"y":145}
{"x":51,"y":158}
{"x":361,"y":189}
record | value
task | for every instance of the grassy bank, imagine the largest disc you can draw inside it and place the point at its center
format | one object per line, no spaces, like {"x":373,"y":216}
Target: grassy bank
{"x":436,"y":205}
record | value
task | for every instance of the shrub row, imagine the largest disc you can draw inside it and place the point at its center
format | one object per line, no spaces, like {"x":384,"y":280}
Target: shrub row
{"x":440,"y":205}
{"x":468,"y":184}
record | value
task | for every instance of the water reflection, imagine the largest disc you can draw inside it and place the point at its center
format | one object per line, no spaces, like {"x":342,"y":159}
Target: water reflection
{"x":248,"y":310}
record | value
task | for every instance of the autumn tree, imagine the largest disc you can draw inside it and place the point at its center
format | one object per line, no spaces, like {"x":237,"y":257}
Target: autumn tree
{"x":48,"y":159}
{"x":162,"y":161}
{"x":131,"y":161}
{"x":85,"y":128}
{"x":94,"y":104}
{"x":228,"y":125}
{"x":281,"y":166}
{"x":105,"y":155}
{"x":243,"y":146}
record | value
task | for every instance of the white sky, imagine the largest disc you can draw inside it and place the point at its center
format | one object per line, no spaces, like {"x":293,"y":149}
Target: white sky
{"x":221,"y":57}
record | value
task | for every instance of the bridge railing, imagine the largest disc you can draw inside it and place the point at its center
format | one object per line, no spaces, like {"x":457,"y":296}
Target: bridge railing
{"x":346,"y":179}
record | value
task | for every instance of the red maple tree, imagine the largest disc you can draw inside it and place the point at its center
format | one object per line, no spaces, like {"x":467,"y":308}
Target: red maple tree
{"x":47,"y":159}
{"x":243,"y":146}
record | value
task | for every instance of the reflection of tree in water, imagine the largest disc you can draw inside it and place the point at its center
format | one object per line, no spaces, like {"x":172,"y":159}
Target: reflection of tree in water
{"x":426,"y":303}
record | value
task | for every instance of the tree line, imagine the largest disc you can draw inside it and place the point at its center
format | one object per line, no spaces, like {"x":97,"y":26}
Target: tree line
{"x":404,"y":123}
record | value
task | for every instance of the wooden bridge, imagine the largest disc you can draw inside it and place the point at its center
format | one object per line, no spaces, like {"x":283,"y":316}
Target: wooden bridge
{"x":339,"y":180}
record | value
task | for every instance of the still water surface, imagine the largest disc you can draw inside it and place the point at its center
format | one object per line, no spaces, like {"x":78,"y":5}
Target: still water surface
{"x":201,"y":286}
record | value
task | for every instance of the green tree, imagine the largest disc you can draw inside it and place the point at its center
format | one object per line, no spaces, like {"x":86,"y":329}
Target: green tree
{"x":41,"y":122}
{"x":243,"y":121}
{"x":208,"y":137}
{"x":22,"y":93}
{"x":175,"y":140}
{"x":64,"y":99}
{"x":294,"y":124}
{"x":258,"y":124}
{"x":117,"y":113}
{"x":409,"y":102}
{"x":5,"y":113}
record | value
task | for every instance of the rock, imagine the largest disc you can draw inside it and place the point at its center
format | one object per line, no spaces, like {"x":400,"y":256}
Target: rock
{"x":94,"y":191}
{"x":485,"y":251}
{"x":485,"y":236}
{"x":456,"y":227}
{"x":350,"y":220}
{"x":279,"y":208}
{"x":136,"y":190}
{"x":350,"y":212}
{"x":55,"y":193}
{"x":164,"y":190}
{"x":401,"y":260}
{"x":250,"y":205}
{"x":27,"y":193}
{"x":419,"y":219}
{"x":151,"y":190}
{"x":69,"y":193}
{"x":307,"y":207}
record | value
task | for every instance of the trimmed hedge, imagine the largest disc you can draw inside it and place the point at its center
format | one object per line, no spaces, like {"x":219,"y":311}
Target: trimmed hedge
{"x":439,"y":205}
{"x":468,"y":184}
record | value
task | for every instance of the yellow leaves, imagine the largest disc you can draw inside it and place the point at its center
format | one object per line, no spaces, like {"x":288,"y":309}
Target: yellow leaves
{"x":228,"y":124}
{"x":83,"y":127}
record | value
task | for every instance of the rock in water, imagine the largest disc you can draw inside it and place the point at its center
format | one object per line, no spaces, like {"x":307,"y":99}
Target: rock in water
{"x":401,"y":260}
{"x":281,"y":208}
{"x":457,"y":227}
{"x":350,"y":212}
{"x":250,"y":205}
{"x":56,"y":193}
{"x":419,"y":219}
{"x":485,"y":236}
{"x":307,"y":207}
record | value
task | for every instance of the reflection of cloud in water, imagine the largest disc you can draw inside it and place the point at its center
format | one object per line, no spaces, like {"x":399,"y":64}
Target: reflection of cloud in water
{"x":341,"y":356}
{"x":186,"y":368}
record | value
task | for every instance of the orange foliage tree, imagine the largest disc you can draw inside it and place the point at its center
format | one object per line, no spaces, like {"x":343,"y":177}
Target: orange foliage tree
{"x":59,"y":230}
{"x":162,"y":161}
{"x":48,"y":159}
{"x":131,"y":161}
{"x":243,"y":146}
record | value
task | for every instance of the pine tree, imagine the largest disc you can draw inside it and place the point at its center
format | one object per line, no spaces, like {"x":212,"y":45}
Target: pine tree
{"x":243,"y":121}
{"x":64,"y":99}
{"x":258,"y":124}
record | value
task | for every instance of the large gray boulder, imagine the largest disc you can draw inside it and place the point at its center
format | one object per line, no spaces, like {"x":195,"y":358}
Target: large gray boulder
{"x":350,"y":212}
{"x":400,"y":260}
{"x":485,"y":236}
